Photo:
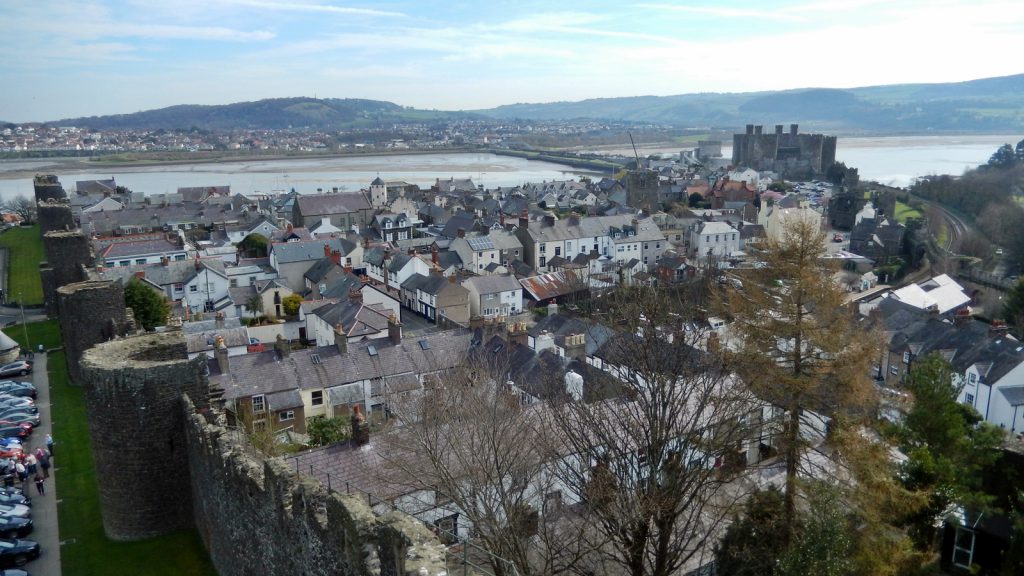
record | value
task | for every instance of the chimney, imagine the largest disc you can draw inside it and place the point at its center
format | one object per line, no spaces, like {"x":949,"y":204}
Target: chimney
{"x":778,"y":129}
{"x":394,"y":330}
{"x":289,"y":228}
{"x":412,"y":251}
{"x":366,"y":243}
{"x":360,"y":427}
{"x":576,"y":346}
{"x":543,"y":341}
{"x":355,"y":295}
{"x":501,"y":219}
{"x":517,"y":333}
{"x":549,"y":220}
{"x":340,"y":339}
{"x":335,"y":257}
{"x":574,"y":385}
{"x":198,"y":265}
{"x":165,"y":260}
{"x":997,"y":329}
{"x":461,"y":233}
{"x":282,"y":347}
{"x":327,"y":250}
{"x":452,"y":279}
{"x":435,"y":257}
{"x":552,"y":308}
{"x":220,"y":351}
{"x":750,"y":129}
{"x":218,"y":319}
{"x":524,"y":219}
{"x":792,"y":129}
{"x":140,"y":274}
{"x":962,"y":317}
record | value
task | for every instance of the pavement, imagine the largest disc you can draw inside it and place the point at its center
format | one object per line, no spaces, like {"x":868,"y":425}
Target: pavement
{"x":44,"y":507}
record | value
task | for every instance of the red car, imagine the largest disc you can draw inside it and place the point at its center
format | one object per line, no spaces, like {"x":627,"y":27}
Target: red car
{"x":11,"y":452}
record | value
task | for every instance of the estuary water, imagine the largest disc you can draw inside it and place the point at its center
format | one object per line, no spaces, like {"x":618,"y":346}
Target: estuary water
{"x":891,"y":160}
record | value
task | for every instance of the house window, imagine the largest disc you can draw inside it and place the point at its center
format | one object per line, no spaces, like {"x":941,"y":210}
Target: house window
{"x":252,"y":279}
{"x":552,"y":501}
{"x":963,"y":547}
{"x":317,"y":398}
{"x":234,"y":283}
{"x":646,"y":246}
{"x":179,"y":287}
{"x":973,"y":378}
{"x":894,"y":370}
{"x":558,"y":250}
{"x":140,"y":261}
{"x":543,"y":261}
{"x":285,"y":415}
{"x":193,"y":288}
{"x":179,"y":257}
{"x":969,"y":399}
{"x":543,"y":248}
{"x":125,"y":263}
{"x":259,"y":403}
{"x":657,"y":246}
{"x":906,"y":357}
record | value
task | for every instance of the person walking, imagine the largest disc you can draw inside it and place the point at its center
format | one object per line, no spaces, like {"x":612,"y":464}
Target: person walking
{"x":49,"y":444}
{"x":22,"y":475}
{"x":40,"y":485}
{"x":44,"y":461}
{"x":30,"y":464}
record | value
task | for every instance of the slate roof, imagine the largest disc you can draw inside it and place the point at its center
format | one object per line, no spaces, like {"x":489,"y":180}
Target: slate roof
{"x":463,"y":220}
{"x":357,"y":319}
{"x":307,"y":251}
{"x":324,"y":204}
{"x":560,"y":326}
{"x":264,"y":372}
{"x":176,"y":271}
{"x":126,"y":247}
{"x":204,"y":341}
{"x":492,"y":284}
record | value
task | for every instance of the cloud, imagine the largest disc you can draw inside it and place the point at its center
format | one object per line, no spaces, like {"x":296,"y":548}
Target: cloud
{"x":724,"y":12}
{"x":166,"y":31}
{"x":315,"y":7}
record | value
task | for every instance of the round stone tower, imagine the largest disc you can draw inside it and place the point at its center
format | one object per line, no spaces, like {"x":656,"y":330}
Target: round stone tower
{"x":133,"y":391}
{"x":90,"y":312}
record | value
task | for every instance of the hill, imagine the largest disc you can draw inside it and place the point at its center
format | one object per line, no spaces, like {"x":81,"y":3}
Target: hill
{"x":988,"y":104}
{"x":984,"y":105}
{"x":277,"y":113}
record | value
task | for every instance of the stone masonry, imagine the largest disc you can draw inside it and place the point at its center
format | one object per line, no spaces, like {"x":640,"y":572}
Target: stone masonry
{"x":67,"y":253}
{"x":55,"y":215}
{"x":90,"y":312}
{"x":260,"y":517}
{"x":133,"y":389}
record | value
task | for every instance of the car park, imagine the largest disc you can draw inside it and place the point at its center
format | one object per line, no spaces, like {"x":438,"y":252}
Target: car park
{"x":18,"y":552}
{"x":14,"y":498}
{"x":14,"y":572}
{"x":19,"y":368}
{"x":18,"y":402}
{"x":12,"y":431}
{"x":10,"y":388}
{"x":20,"y":416}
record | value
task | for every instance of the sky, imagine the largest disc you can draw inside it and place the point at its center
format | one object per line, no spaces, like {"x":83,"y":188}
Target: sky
{"x":64,"y":59}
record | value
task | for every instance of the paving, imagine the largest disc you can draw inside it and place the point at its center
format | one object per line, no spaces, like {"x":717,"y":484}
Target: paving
{"x":44,"y":507}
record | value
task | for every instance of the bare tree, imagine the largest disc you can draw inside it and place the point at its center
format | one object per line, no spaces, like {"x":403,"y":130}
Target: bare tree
{"x":652,"y":466}
{"x":24,"y":207}
{"x":471,"y":443}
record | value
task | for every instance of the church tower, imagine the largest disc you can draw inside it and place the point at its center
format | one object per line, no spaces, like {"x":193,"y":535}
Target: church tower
{"x":378,"y":193}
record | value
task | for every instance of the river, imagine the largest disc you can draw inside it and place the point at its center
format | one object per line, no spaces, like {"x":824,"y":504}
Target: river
{"x":891,"y":160}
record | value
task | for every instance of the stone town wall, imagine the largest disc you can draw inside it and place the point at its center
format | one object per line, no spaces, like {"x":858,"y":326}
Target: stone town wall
{"x":258,"y":517}
{"x":90,"y":312}
{"x":66,"y":254}
{"x":133,"y":389}
{"x":55,"y":215}
{"x":48,"y":187}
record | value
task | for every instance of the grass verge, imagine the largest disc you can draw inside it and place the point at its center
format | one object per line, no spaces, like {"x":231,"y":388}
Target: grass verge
{"x":904,"y":211}
{"x":25,"y":247}
{"x":92,"y":553}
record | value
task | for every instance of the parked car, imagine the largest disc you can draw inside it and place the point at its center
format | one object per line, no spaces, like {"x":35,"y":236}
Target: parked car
{"x":18,"y":552}
{"x":12,"y":498}
{"x":14,"y":572}
{"x":11,"y":388}
{"x":19,"y":510}
{"x":20,"y":416}
{"x":27,"y":426}
{"x":9,"y":432}
{"x":26,"y":404}
{"x":15,"y":527}
{"x":19,"y":368}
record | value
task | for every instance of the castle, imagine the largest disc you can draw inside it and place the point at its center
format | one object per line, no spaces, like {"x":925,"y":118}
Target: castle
{"x":792,"y":155}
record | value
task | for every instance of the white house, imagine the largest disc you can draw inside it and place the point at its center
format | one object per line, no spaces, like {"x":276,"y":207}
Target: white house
{"x":621,"y":238}
{"x":717,"y":239}
{"x":497,"y":295}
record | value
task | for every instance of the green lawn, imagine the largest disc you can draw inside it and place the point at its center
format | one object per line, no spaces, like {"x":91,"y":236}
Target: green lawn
{"x":92,"y":553}
{"x":903,"y":212}
{"x":25,"y":247}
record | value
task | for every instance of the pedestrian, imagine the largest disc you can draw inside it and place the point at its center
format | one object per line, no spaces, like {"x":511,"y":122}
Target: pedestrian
{"x":30,"y":464}
{"x":44,"y":461}
{"x":49,"y":444}
{"x":22,"y":475}
{"x":40,"y":484}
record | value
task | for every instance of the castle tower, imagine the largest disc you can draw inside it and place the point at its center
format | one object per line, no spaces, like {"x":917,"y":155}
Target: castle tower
{"x":55,"y":214}
{"x":47,"y":187}
{"x":90,"y":312}
{"x":378,"y":193}
{"x":133,"y":398}
{"x":66,"y":253}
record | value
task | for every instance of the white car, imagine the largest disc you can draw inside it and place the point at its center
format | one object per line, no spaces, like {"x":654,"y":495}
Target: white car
{"x":19,"y":510}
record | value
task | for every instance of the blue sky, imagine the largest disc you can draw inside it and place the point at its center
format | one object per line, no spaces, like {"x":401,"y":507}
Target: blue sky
{"x":69,"y":58}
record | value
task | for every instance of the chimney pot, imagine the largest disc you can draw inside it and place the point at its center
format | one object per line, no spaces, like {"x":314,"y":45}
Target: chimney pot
{"x":394,"y":329}
{"x":220,"y":351}
{"x":360,"y":427}
{"x":340,"y":338}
